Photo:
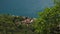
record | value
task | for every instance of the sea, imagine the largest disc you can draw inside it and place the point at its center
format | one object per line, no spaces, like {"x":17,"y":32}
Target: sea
{"x":28,"y":8}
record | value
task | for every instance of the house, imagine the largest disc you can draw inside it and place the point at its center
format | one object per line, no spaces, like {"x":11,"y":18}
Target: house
{"x":27,"y":21}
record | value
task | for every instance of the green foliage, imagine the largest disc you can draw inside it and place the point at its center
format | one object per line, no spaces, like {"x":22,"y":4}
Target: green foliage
{"x":48,"y":20}
{"x":8,"y":26}
{"x":57,"y":2}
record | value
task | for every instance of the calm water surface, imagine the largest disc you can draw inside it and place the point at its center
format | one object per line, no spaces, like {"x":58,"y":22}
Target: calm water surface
{"x":24,"y":7}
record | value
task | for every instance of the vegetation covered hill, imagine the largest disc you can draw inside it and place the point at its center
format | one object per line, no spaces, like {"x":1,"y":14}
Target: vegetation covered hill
{"x":8,"y":25}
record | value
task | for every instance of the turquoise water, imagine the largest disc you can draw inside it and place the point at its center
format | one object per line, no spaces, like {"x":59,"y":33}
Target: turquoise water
{"x":24,"y":7}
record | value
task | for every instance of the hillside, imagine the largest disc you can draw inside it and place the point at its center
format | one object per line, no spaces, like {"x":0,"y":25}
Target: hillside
{"x":10,"y":24}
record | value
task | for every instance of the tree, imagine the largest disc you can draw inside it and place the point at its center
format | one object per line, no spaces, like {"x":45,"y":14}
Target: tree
{"x":48,"y":20}
{"x":6,"y":21}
